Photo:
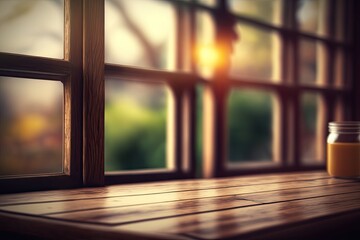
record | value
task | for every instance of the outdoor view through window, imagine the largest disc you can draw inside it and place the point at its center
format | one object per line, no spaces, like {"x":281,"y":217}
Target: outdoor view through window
{"x":134,"y":37}
{"x":164,"y":36}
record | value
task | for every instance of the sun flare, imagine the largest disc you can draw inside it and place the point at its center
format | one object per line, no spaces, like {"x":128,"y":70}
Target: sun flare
{"x":208,"y":56}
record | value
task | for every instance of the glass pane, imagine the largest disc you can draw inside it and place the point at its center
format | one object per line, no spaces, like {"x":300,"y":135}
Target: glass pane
{"x":308,"y":62}
{"x":311,"y":127}
{"x":137,"y":34}
{"x":31,"y":126}
{"x":135,"y":125}
{"x":263,"y":10}
{"x":250,"y":126}
{"x":256,"y":54}
{"x":211,"y":3}
{"x":308,"y":15}
{"x":32,"y":27}
{"x":205,"y":33}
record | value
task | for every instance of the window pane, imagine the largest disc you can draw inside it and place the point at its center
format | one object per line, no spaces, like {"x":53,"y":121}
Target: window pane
{"x":140,"y":33}
{"x":32,"y":27}
{"x":199,"y":130}
{"x":308,"y":15}
{"x":311,"y":127}
{"x":263,"y":10}
{"x":31,"y":126}
{"x":205,"y":33}
{"x":256,"y":54}
{"x":211,"y":3}
{"x":250,"y":126}
{"x":135,"y":125}
{"x":309,"y":68}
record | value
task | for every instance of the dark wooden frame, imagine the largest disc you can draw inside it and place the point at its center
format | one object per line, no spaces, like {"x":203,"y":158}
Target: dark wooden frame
{"x":94,"y":93}
{"x":180,"y":146}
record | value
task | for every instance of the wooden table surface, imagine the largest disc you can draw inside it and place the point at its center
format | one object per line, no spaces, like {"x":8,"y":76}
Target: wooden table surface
{"x":260,"y":207}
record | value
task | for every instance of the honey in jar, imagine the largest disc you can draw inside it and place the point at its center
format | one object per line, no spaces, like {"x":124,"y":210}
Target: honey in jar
{"x":343,"y":149}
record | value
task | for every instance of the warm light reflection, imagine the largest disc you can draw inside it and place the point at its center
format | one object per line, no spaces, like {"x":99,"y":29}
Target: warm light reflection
{"x":208,"y":56}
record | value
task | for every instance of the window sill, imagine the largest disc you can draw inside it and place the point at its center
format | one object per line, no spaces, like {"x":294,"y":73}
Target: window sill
{"x":304,"y":204}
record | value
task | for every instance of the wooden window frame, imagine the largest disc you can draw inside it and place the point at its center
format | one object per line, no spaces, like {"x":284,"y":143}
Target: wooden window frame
{"x":180,"y":142}
{"x":69,"y":72}
{"x":288,"y":90}
{"x":83,"y":73}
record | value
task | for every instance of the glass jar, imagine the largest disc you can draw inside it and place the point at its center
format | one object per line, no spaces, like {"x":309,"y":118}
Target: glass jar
{"x":343,"y":149}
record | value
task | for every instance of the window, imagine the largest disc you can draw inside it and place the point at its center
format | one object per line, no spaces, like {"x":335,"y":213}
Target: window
{"x":41,"y":89}
{"x":111,"y":92}
{"x":269,"y":110}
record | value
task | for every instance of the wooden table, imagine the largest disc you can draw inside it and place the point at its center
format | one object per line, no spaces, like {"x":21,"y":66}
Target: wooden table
{"x":271,"y":206}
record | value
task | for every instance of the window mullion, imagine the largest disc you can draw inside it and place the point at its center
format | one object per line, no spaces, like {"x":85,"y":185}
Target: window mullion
{"x":94,"y":93}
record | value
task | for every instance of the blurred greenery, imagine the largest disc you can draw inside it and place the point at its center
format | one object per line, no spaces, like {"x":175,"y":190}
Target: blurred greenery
{"x":135,"y":132}
{"x":263,"y":10}
{"x":249,"y":125}
{"x":309,"y":121}
{"x":309,"y":110}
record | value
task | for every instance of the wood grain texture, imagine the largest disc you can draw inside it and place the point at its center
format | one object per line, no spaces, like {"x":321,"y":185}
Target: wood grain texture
{"x":160,"y":187}
{"x":139,"y":213}
{"x":237,"y":207}
{"x":53,"y":229}
{"x":73,"y":124}
{"x":101,"y":201}
{"x":16,"y":65}
{"x":241,"y":221}
{"x":94,"y":93}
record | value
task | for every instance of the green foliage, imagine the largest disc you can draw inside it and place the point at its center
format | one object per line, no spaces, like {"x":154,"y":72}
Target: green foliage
{"x":249,"y":119}
{"x":135,"y":137}
{"x":309,"y":110}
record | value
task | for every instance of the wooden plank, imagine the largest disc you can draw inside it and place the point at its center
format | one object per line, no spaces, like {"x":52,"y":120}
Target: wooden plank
{"x":301,"y":193}
{"x":91,"y":203}
{"x":53,"y":229}
{"x":195,"y":206}
{"x":246,"y":220}
{"x":160,"y":187}
{"x":201,"y":209}
{"x":135,"y":213}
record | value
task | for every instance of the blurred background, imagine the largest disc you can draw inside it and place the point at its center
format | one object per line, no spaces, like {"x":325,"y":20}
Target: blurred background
{"x":142,"y":33}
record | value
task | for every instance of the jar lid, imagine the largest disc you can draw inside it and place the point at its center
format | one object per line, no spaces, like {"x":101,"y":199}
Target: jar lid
{"x":347,"y":127}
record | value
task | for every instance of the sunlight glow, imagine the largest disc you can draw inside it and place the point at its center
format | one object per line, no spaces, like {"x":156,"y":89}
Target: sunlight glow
{"x":208,"y":56}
